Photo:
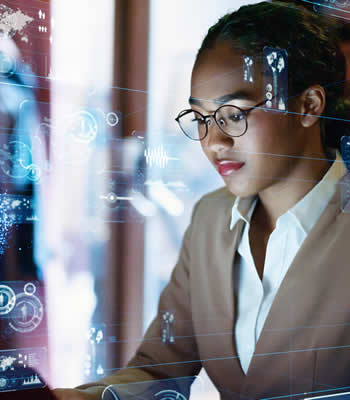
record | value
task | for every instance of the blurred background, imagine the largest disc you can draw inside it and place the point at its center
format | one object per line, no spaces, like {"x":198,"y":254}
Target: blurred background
{"x":97,"y":183}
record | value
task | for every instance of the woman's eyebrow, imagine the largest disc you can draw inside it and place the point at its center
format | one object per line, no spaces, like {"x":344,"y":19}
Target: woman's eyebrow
{"x":239,"y":95}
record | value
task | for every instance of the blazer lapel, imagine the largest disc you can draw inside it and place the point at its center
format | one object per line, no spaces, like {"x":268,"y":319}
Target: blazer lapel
{"x":283,"y":362}
{"x":213,"y":299}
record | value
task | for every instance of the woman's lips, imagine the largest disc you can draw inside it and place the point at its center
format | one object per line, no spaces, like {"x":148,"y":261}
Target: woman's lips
{"x":226,"y":167}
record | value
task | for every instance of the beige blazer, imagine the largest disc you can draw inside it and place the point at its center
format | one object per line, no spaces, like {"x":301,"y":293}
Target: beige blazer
{"x":304,"y":345}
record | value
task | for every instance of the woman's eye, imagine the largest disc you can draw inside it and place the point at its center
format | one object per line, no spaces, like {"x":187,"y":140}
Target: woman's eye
{"x":200,"y":121}
{"x":222,"y":122}
{"x":237,"y":117}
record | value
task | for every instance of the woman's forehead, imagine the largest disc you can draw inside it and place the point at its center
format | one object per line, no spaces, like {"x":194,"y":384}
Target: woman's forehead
{"x":221,"y":70}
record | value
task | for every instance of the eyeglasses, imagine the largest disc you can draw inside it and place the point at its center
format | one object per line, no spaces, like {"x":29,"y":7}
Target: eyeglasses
{"x":232,"y":121}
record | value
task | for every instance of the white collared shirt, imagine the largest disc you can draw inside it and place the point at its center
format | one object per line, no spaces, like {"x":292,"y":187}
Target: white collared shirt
{"x":255,"y":296}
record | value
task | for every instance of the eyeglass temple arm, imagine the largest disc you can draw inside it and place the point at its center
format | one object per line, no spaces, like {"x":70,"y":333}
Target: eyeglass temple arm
{"x":261,"y":103}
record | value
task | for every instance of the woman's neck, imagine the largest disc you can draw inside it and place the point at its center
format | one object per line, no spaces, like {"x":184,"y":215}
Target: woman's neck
{"x":278,"y":198}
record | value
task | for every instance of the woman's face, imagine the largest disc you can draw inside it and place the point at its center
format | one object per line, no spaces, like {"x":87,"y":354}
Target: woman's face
{"x":269,"y":151}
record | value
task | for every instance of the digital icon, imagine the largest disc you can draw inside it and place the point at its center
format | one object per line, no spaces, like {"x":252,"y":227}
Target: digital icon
{"x":95,"y":335}
{"x":96,"y":352}
{"x":27,"y":313}
{"x":248,"y":69}
{"x":169,"y":395}
{"x":7,"y":299}
{"x":29,"y":289}
{"x":100,"y":371}
{"x":42,"y":14}
{"x":276,"y":78}
{"x":83,"y":127}
{"x":168,"y":320}
{"x":112,"y":119}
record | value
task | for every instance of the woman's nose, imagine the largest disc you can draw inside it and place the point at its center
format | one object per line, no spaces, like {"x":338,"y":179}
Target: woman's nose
{"x":217,"y":140}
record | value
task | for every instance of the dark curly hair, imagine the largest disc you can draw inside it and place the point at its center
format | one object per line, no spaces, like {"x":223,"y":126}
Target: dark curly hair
{"x":314,"y":56}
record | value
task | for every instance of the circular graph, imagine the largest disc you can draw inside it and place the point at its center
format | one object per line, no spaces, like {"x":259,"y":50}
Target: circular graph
{"x":3,"y":382}
{"x":15,"y":159}
{"x":83,"y":127}
{"x":27,"y":314}
{"x":169,"y":395}
{"x":7,"y":299}
{"x":29,"y":289}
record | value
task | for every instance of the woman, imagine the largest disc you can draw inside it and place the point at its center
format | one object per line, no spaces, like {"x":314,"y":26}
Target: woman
{"x":260,"y":289}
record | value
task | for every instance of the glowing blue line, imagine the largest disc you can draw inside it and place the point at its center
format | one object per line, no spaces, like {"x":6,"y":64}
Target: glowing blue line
{"x":306,"y":393}
{"x":16,"y":84}
{"x":284,"y":112}
{"x":230,"y":358}
{"x":324,"y":5}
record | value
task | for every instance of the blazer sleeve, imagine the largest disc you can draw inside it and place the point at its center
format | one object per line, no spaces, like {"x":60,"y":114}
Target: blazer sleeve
{"x":154,"y":359}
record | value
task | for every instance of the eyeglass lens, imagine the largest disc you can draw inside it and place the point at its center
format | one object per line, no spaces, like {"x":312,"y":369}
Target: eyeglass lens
{"x":230,"y":119}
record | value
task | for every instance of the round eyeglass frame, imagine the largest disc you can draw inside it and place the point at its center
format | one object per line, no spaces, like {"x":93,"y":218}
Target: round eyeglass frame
{"x":245,"y":113}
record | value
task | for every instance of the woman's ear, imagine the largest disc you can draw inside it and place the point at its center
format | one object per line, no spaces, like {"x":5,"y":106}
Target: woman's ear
{"x":312,"y":104}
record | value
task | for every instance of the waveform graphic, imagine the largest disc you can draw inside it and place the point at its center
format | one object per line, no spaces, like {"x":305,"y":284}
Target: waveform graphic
{"x":33,"y":380}
{"x":158,"y":157}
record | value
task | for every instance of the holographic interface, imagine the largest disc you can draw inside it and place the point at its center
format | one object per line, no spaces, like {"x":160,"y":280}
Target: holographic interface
{"x":276,"y":78}
{"x":16,"y":368}
{"x":21,"y":307}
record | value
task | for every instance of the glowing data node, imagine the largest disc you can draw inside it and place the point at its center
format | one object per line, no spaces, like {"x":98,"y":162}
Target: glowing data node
{"x":7,"y":299}
{"x":29,"y":289}
{"x":112,"y":119}
{"x":112,"y":197}
{"x":27,"y":314}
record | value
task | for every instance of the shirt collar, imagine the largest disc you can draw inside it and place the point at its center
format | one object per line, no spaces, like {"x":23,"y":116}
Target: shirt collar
{"x":243,"y":209}
{"x":308,"y":209}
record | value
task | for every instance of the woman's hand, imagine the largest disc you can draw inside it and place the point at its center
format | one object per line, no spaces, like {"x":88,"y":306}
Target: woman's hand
{"x":77,"y":394}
